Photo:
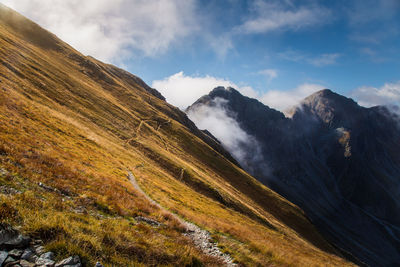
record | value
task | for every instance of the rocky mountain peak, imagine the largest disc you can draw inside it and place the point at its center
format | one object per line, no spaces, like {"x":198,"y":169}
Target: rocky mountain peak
{"x":329,"y":107}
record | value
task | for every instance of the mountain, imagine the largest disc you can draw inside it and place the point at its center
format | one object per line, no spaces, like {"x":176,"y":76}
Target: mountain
{"x":73,"y":133}
{"x":338,"y":161}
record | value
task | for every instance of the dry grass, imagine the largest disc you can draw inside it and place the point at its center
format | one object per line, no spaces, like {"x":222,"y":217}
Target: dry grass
{"x":78,"y":125}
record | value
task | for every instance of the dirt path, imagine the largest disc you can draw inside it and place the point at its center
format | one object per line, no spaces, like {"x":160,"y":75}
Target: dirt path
{"x":201,"y":238}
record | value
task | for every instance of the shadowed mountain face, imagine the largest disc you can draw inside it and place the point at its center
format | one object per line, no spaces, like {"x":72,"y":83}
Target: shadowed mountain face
{"x":337,"y":160}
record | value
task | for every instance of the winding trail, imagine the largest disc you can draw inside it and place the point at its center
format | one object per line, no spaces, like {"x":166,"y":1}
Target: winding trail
{"x":201,"y":238}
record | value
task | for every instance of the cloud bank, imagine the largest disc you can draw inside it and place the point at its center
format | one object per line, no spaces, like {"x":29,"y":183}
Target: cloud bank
{"x":113,"y":30}
{"x":182,"y":90}
{"x":388,"y":94}
{"x":222,"y":123}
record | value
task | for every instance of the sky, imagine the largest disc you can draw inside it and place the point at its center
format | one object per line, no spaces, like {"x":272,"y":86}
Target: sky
{"x":276,"y":51}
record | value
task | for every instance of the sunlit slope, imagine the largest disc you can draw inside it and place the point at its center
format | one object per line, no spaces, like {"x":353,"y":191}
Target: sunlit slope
{"x":80,"y":125}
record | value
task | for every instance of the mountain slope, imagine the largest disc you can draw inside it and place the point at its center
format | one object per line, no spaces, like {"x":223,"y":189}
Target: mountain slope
{"x":79,"y":126}
{"x":336,"y":160}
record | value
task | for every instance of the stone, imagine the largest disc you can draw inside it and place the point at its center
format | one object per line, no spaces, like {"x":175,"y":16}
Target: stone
{"x":44,"y":262}
{"x":47,"y":256}
{"x":27,"y":254}
{"x":16,"y":253}
{"x":71,"y":261}
{"x":3,"y":257}
{"x":11,"y":238}
{"x":147,"y":220}
{"x":98,"y":264}
{"x":25,"y":263}
{"x":39,"y":250}
{"x":9,"y":260}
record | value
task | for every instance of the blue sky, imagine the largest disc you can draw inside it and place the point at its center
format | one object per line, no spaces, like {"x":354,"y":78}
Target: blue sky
{"x":276,"y":51}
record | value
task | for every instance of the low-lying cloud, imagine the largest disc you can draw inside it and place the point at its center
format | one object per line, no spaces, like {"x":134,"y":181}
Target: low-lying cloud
{"x":222,"y":123}
{"x":283,"y":100}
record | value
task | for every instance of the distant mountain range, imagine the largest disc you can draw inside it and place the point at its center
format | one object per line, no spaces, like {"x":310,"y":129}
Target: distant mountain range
{"x":338,"y":161}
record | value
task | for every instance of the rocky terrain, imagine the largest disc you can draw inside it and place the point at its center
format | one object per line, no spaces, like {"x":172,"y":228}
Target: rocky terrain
{"x":337,"y":160}
{"x":17,"y":250}
{"x":201,"y":238}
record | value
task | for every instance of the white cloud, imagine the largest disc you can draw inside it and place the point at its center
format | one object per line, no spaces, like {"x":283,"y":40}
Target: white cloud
{"x":324,"y":59}
{"x":318,"y":60}
{"x":182,"y":90}
{"x":282,"y":100}
{"x":243,"y":147}
{"x":388,"y":94}
{"x":269,"y":73}
{"x":276,"y":15}
{"x":110,"y":30}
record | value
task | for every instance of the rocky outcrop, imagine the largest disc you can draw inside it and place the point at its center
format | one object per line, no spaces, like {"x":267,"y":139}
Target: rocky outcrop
{"x":338,"y":161}
{"x":17,"y":250}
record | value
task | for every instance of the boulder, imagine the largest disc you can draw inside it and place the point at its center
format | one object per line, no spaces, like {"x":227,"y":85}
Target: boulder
{"x":11,"y":238}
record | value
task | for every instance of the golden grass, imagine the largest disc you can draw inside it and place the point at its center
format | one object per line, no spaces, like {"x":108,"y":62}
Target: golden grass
{"x":79,"y":125}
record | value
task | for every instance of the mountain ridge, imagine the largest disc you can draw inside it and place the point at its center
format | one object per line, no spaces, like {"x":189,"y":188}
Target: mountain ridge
{"x":333,"y":158}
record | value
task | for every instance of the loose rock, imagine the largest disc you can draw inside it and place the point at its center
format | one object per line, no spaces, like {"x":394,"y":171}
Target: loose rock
{"x":27,"y":254}
{"x":71,"y":261}
{"x":3,"y":256}
{"x":16,"y":253}
{"x":147,"y":220}
{"x":47,"y":256}
{"x":44,"y":262}
{"x":25,"y":263}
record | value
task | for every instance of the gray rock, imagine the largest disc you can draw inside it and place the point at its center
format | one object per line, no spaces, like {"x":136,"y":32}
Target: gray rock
{"x":39,"y":250}
{"x":25,"y":263}
{"x":28,"y":253}
{"x":44,"y":262}
{"x":9,"y":260}
{"x":75,"y":265}
{"x":3,"y":256}
{"x":71,"y":261}
{"x":16,"y":253}
{"x":98,"y":264}
{"x":147,"y":220}
{"x":11,"y":238}
{"x":47,"y":256}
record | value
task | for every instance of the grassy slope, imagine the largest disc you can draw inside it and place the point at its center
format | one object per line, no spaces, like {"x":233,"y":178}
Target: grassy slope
{"x":79,"y":125}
